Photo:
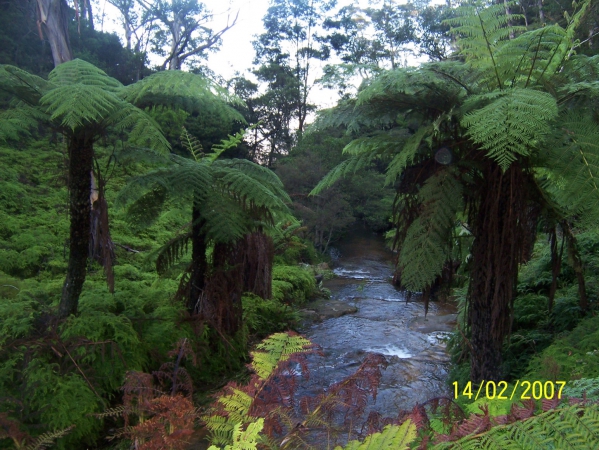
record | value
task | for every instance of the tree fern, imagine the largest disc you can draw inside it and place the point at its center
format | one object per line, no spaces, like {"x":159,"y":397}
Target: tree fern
{"x":393,"y":437}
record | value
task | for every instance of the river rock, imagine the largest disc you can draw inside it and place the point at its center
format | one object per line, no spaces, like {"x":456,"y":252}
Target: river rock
{"x":431,"y":323}
{"x":323,"y":309}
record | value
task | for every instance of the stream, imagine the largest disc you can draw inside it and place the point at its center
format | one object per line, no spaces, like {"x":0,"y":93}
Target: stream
{"x":384,"y":323}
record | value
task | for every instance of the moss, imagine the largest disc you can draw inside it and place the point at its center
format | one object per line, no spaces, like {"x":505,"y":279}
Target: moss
{"x":292,"y":284}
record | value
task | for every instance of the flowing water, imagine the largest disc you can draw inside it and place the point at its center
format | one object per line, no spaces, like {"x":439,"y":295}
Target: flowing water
{"x":384,"y":323}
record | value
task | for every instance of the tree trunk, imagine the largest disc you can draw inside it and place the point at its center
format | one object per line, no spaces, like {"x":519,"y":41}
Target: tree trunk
{"x":198,"y":264}
{"x":223,"y":291}
{"x":258,"y":253}
{"x":80,"y":165}
{"x":574,"y":256}
{"x":54,"y":20}
{"x":501,"y":223}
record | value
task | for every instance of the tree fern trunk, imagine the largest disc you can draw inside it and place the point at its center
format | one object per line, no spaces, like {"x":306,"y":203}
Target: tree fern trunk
{"x":198,"y":262}
{"x":500,"y":223}
{"x":258,"y":254}
{"x":80,"y":165}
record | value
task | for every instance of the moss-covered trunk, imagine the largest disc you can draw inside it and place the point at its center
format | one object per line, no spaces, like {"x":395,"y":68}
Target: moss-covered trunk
{"x":81,"y":154}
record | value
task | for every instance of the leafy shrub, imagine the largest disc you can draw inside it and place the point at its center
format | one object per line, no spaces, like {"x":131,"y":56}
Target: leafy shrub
{"x":264,"y":317}
{"x":292,"y":284}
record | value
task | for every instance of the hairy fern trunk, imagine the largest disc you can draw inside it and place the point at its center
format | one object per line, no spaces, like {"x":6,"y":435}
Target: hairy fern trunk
{"x":258,"y":254}
{"x":81,"y":154}
{"x":502,"y":224}
{"x":198,"y":261}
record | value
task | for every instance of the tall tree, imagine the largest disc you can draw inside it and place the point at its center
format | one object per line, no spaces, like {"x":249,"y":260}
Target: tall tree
{"x":469,"y":139}
{"x":182,"y":30}
{"x":286,"y":51}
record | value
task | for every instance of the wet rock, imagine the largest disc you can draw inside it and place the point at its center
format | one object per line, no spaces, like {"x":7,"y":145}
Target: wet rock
{"x":432,"y":323}
{"x":323,"y":309}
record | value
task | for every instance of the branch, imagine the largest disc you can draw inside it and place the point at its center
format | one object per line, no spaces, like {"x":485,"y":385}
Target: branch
{"x":129,"y":249}
{"x":211,"y":41}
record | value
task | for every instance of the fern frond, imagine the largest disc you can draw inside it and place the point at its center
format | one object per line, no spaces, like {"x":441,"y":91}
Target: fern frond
{"x":516,"y":123}
{"x":17,"y":123}
{"x":226,"y":220}
{"x":79,"y":104}
{"x":575,"y":160}
{"x":23,"y":85}
{"x":276,"y":348}
{"x":426,"y":246}
{"x":405,"y":157}
{"x":80,"y":72}
{"x":343,"y":169}
{"x":184,"y":90}
{"x":571,"y":427}
{"x":393,"y":437}
{"x":48,"y":439}
{"x":171,"y":252}
{"x":192,"y":145}
{"x":143,"y":130}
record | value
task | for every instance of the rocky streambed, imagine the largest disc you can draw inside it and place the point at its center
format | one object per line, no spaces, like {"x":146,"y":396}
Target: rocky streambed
{"x":366,"y":313}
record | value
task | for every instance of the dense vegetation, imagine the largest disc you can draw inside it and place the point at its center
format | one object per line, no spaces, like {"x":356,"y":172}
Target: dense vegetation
{"x":157,"y":222}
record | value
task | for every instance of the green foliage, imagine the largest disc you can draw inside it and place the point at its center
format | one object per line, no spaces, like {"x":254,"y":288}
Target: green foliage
{"x":243,"y":440}
{"x":514,"y":123}
{"x":391,"y":438}
{"x":427,"y":243}
{"x":575,"y":355}
{"x":276,"y":348}
{"x":292,"y":284}
{"x":587,"y":388}
{"x":570,"y":427}
{"x":264,"y":317}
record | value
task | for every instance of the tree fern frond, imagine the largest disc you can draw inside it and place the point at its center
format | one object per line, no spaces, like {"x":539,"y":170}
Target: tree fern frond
{"x":143,"y":131}
{"x":343,"y":169}
{"x":144,"y":211}
{"x":232,"y":141}
{"x":276,"y":348}
{"x":226,"y":221}
{"x":513,"y":124}
{"x":79,"y":104}
{"x":171,"y":252}
{"x":23,"y":85}
{"x":81,"y":72}
{"x":575,"y":159}
{"x":405,"y":157}
{"x":192,"y":145}
{"x":426,"y":246}
{"x":393,"y":437}
{"x":177,"y":89}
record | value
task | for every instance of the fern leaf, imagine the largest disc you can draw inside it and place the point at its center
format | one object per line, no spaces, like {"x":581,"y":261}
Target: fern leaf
{"x":576,"y":162}
{"x":78,"y":105}
{"x":514,"y":124}
{"x":277,"y":347}
{"x":48,"y":439}
{"x":426,"y":246}
{"x":406,"y":155}
{"x":393,"y":437}
{"x":80,"y":72}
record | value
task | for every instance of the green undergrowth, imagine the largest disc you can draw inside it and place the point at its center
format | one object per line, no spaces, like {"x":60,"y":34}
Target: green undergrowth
{"x":292,"y":284}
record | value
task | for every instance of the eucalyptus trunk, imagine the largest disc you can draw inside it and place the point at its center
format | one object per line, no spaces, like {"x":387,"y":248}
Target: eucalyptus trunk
{"x":81,"y":154}
{"x":54,"y":21}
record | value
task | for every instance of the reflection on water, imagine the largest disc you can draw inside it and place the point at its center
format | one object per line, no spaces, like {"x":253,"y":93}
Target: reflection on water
{"x":418,"y":362}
